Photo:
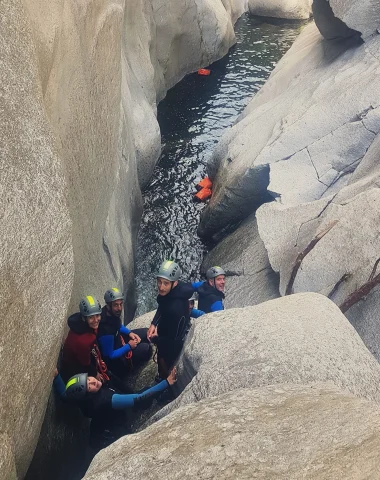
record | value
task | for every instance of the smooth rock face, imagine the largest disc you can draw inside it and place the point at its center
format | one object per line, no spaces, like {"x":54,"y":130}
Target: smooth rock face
{"x":302,"y":338}
{"x":80,"y":82}
{"x":36,"y":257}
{"x":289,"y":140}
{"x":292,"y":9}
{"x":360,"y":15}
{"x":280,"y":431}
{"x":250,"y":277}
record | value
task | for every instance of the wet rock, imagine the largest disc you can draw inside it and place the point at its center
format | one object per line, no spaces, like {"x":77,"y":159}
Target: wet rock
{"x":250,"y":277}
{"x":302,"y":338}
{"x":292,"y":9}
{"x":280,"y":431}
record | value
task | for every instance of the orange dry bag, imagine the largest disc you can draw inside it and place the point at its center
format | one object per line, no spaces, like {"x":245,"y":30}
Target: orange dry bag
{"x":204,"y":71}
{"x":203,"y":195}
{"x":205,"y":183}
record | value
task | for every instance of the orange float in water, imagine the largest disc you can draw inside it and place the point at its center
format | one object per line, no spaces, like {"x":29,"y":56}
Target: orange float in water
{"x":205,"y":183}
{"x":203,"y":195}
{"x":204,"y":71}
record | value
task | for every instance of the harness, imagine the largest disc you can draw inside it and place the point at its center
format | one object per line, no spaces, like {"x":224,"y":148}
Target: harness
{"x":128,"y":355}
{"x":100,"y":364}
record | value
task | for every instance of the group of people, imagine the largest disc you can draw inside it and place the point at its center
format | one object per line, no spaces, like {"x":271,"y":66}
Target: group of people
{"x":100,"y":352}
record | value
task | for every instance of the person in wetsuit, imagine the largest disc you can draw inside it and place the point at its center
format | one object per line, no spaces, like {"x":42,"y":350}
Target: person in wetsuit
{"x":122,"y":349}
{"x":105,"y":406}
{"x":172,"y":318}
{"x":211,"y":292}
{"x":80,"y":352}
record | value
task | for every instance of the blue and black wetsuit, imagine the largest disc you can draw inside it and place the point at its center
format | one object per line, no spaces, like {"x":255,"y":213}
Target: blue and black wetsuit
{"x":195,"y":313}
{"x":107,"y":409}
{"x":113,"y":351}
{"x":210,"y":299}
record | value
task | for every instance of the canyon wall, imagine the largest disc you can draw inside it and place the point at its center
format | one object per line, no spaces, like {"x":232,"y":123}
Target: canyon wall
{"x":310,"y":139}
{"x":80,"y":83}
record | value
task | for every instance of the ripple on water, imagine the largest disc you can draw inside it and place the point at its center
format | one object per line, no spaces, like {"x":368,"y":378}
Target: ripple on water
{"x":192,"y":118}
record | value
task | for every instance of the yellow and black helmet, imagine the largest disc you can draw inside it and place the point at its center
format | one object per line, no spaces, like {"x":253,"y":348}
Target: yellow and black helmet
{"x":89,"y":306}
{"x":76,"y":387}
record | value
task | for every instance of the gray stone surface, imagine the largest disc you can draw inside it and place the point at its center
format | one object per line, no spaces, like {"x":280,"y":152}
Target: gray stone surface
{"x":290,"y":138}
{"x":328,"y":24}
{"x":80,"y":82}
{"x":292,"y":9}
{"x":250,"y":277}
{"x":277,"y":432}
{"x":301,"y":338}
{"x":360,"y":15}
{"x":36,"y":256}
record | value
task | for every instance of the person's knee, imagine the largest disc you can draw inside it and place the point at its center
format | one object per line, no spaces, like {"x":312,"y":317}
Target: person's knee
{"x":142,"y":351}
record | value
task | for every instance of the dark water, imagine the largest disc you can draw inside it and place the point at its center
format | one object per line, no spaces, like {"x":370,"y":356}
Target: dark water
{"x":192,"y":118}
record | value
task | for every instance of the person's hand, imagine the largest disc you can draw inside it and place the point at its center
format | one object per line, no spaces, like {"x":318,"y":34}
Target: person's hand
{"x":134,"y":336}
{"x":133,"y":343}
{"x":55,"y":372}
{"x":152,"y":332}
{"x":172,"y":378}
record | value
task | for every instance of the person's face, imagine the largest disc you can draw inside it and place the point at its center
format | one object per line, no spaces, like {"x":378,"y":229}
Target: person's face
{"x":191,"y":305}
{"x":165,"y":286}
{"x":218,"y":282}
{"x":117,"y":308}
{"x":93,"y":321}
{"x":93,"y":385}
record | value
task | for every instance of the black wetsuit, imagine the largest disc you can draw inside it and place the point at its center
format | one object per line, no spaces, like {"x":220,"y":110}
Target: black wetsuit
{"x":172,"y":319}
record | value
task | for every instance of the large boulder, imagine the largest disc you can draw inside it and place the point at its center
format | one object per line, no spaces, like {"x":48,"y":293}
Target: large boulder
{"x":360,"y":15}
{"x":281,"y":431}
{"x":328,"y":24}
{"x":292,"y":9}
{"x":250,"y":277}
{"x":289,"y":141}
{"x":302,"y":338}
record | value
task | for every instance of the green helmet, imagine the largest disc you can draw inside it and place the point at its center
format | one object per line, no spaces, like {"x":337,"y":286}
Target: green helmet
{"x":113,"y":294}
{"x":89,"y":306}
{"x":214,"y":272}
{"x":169,"y":270}
{"x":76,"y":387}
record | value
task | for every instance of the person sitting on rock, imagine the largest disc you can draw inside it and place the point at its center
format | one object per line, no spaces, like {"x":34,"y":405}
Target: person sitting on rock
{"x":81,"y":353}
{"x":121,"y":348}
{"x":194,"y":312}
{"x":171,"y":320}
{"x":211,"y":292}
{"x":104,"y":405}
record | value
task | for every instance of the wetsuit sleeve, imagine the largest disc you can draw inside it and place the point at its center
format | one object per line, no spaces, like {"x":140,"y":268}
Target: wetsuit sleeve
{"x":196,"y":285}
{"x":195,"y":313}
{"x":156,"y":317}
{"x":119,"y":402}
{"x":125,"y":330}
{"x":59,"y":386}
{"x":216,"y":306}
{"x":106,"y":343}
